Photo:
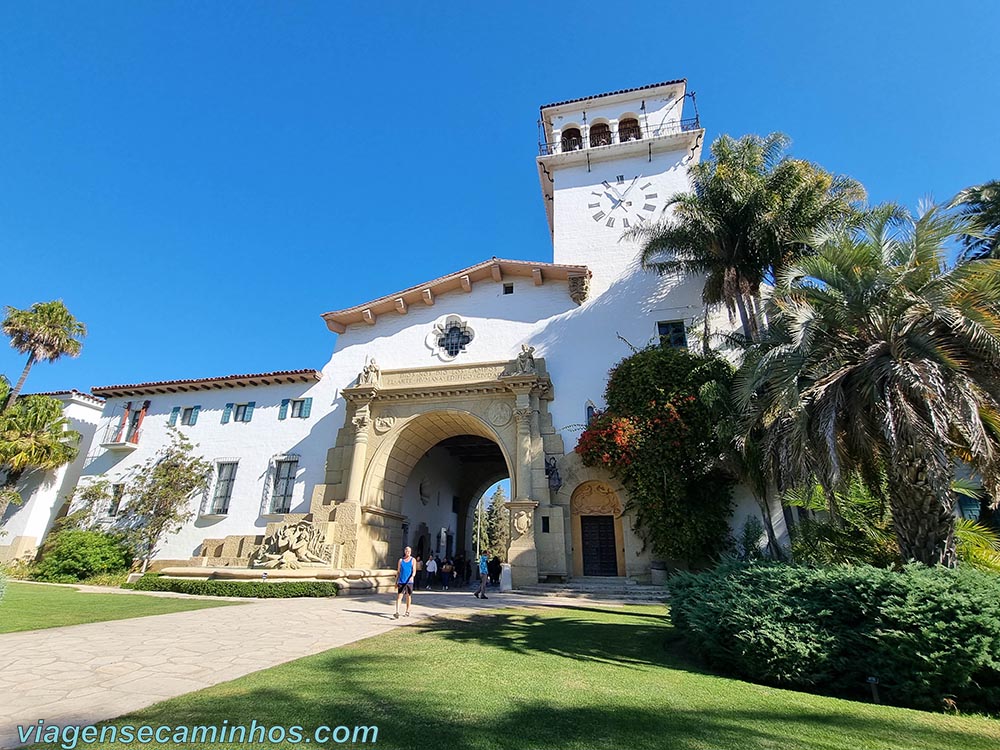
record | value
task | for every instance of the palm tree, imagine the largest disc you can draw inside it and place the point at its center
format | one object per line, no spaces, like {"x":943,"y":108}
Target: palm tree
{"x":739,"y":225}
{"x":34,"y":434}
{"x":880,"y":358}
{"x":981,"y":205}
{"x":45,"y":332}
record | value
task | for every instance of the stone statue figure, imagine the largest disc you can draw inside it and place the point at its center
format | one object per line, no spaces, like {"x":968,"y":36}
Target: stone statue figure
{"x":292,"y":546}
{"x":370,"y":374}
{"x":526,"y":360}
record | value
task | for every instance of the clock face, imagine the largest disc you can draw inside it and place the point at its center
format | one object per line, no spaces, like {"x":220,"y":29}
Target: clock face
{"x":624,"y":202}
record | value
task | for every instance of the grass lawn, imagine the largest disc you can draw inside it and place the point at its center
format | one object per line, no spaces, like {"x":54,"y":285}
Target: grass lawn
{"x":553,"y":678}
{"x":30,"y":606}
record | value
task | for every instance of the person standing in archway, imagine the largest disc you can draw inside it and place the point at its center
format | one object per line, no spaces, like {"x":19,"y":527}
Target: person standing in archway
{"x":484,"y":576}
{"x":406,"y":569}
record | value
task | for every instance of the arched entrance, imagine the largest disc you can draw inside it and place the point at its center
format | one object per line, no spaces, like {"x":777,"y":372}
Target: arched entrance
{"x":598,"y":536}
{"x":422,"y":481}
{"x":484,"y":420}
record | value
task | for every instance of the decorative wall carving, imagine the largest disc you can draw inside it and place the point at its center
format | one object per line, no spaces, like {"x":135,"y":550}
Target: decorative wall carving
{"x":293,"y":545}
{"x":595,"y":499}
{"x":384,"y":422}
{"x":521,"y":522}
{"x":499,"y":413}
{"x":579,"y":288}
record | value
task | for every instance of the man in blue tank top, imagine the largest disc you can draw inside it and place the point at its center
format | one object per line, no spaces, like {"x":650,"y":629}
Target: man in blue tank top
{"x":406,"y":568}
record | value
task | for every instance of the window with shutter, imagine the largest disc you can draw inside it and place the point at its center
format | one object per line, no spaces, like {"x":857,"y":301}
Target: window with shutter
{"x":283,"y":410}
{"x":227,"y":413}
{"x":225,"y":479}
{"x":284,"y":484}
{"x":173,"y":416}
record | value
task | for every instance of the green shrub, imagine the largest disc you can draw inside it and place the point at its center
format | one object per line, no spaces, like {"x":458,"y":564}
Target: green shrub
{"x":74,"y":555}
{"x":261,"y":589}
{"x":114,"y":580}
{"x":930,"y":635}
{"x":18,"y":569}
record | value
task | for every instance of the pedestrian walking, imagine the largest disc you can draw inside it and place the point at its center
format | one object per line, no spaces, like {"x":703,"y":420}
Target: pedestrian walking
{"x":406,"y":569}
{"x":484,"y":576}
{"x":432,"y":569}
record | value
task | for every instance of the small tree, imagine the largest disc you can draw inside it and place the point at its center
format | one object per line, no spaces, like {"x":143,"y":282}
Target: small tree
{"x":498,"y":525}
{"x":160,"y":494}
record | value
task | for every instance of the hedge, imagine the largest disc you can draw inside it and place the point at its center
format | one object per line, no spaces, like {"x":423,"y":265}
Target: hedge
{"x":930,"y":636}
{"x":260,"y":589}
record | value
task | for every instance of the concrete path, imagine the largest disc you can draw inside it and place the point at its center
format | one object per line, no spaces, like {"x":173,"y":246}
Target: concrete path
{"x":82,"y":674}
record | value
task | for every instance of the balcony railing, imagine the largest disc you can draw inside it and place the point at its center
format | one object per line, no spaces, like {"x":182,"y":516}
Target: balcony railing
{"x":118,"y":438}
{"x":578,"y":143}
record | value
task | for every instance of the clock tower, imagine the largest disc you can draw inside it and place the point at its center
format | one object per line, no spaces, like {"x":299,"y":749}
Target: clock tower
{"x":608,"y":163}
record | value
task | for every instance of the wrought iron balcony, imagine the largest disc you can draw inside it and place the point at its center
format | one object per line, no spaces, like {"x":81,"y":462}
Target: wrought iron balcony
{"x":119,"y":438}
{"x":580,"y":142}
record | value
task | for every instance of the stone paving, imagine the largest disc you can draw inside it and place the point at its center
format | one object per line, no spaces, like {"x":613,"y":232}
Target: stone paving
{"x":82,"y":674}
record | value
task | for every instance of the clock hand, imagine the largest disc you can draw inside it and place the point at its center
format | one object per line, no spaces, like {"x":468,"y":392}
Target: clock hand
{"x":634,"y":180}
{"x":614,"y":200}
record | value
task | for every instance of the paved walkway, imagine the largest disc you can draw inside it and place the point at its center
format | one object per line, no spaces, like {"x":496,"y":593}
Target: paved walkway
{"x":82,"y":674}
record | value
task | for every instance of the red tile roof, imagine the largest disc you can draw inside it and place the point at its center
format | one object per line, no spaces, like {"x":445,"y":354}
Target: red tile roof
{"x":71,"y":392}
{"x":201,"y":384}
{"x":493,"y":269}
{"x":613,"y":93}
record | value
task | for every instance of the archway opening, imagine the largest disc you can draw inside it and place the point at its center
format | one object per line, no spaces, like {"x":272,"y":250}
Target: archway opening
{"x":442,"y":492}
{"x":423,"y":488}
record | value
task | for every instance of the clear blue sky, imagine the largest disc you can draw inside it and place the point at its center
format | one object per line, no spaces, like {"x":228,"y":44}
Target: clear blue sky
{"x":199,"y":181}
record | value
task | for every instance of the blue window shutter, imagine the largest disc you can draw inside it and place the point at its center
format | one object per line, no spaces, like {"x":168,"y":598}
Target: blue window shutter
{"x":250,"y":411}
{"x":227,"y":413}
{"x":173,"y":416}
{"x":283,"y":411}
{"x":306,"y":407}
{"x":194,"y":414}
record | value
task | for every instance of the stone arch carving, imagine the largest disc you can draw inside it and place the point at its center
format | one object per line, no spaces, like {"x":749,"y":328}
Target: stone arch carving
{"x":390,"y":466}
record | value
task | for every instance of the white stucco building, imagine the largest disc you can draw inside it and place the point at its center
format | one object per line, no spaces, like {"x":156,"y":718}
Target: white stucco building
{"x":435,"y":392}
{"x":45,"y":493}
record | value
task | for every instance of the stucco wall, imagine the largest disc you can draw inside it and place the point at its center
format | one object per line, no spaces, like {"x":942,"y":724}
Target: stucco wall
{"x":44,"y":493}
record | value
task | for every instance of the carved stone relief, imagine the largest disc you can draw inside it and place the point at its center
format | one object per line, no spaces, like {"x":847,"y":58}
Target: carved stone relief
{"x":522,"y":522}
{"x":595,"y":499}
{"x":499,"y":413}
{"x":293,"y":545}
{"x":384,"y":422}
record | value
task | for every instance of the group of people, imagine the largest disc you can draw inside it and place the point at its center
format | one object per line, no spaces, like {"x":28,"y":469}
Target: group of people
{"x":413,"y":573}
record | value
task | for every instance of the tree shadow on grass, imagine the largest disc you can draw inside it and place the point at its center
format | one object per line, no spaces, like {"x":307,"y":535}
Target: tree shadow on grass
{"x":623,"y":642}
{"x":373,"y":690}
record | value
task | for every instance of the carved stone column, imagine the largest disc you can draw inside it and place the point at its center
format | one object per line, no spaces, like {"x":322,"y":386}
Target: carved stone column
{"x":361,"y":421}
{"x":522,"y":415}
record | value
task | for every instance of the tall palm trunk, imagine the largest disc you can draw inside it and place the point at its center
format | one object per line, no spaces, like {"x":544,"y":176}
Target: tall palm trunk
{"x":741,"y":308}
{"x":764,"y":502}
{"x":922,"y":508}
{"x":12,"y":396}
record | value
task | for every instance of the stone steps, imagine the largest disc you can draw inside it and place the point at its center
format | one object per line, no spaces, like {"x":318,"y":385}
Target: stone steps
{"x":599,"y":590}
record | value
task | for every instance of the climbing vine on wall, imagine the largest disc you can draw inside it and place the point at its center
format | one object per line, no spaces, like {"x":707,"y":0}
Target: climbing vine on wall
{"x":657,"y":437}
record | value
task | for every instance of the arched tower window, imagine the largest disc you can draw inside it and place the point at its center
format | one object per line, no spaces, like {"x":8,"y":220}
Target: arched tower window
{"x":600,"y":134}
{"x":628,"y":130}
{"x":571,"y":139}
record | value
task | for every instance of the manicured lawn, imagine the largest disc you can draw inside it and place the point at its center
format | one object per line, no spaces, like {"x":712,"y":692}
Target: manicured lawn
{"x":30,"y":606}
{"x":553,"y":678}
